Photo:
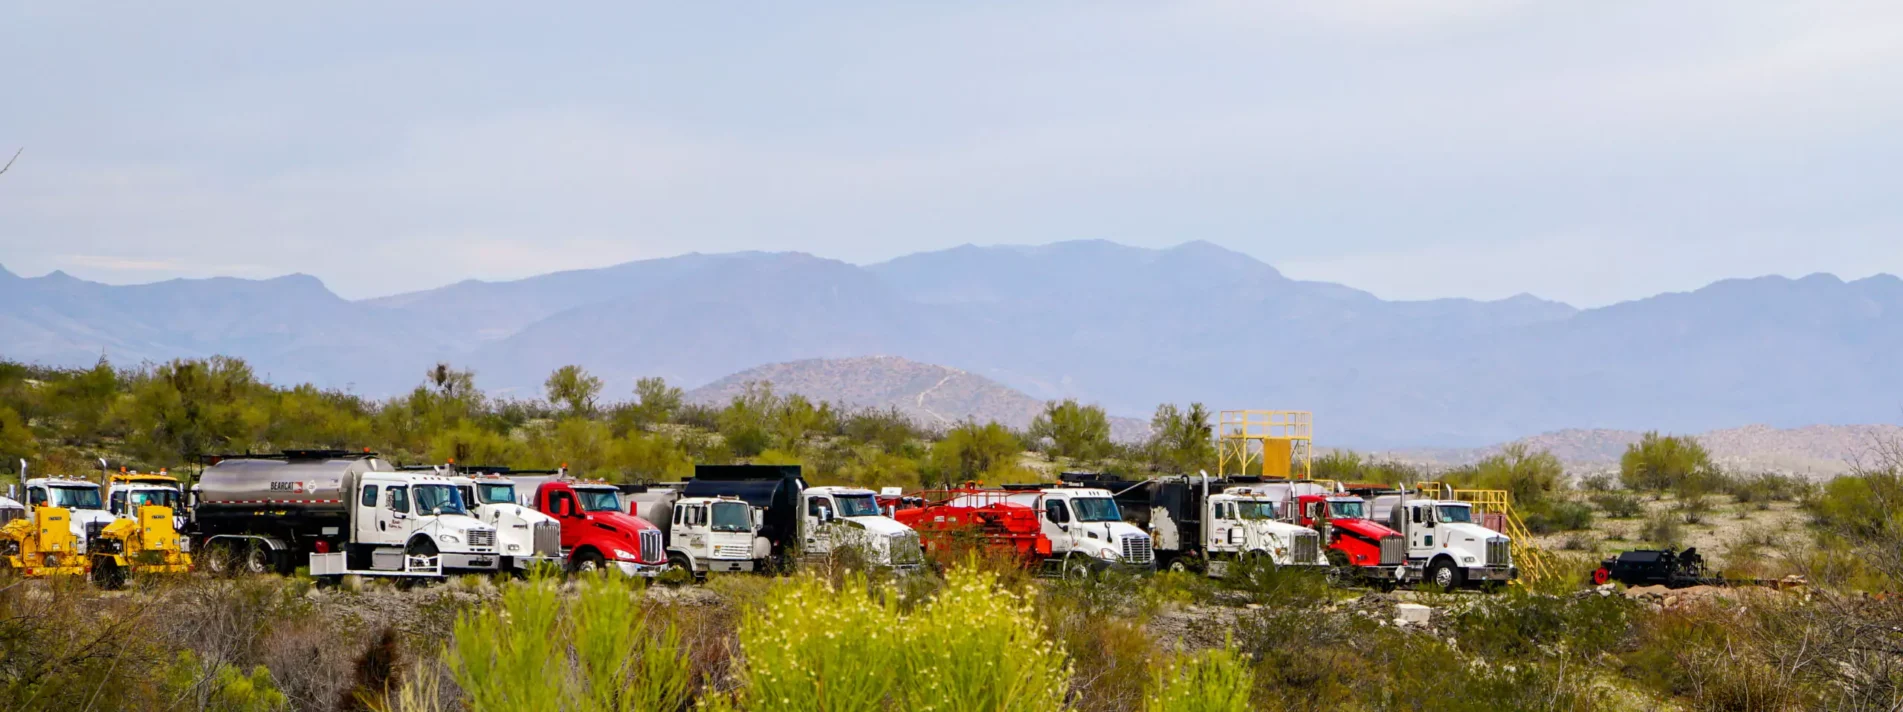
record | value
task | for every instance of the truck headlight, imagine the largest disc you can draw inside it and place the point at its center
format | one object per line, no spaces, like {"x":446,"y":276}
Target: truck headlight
{"x":452,"y":538}
{"x":515,"y":547}
{"x":620,"y":554}
{"x":1467,"y":559}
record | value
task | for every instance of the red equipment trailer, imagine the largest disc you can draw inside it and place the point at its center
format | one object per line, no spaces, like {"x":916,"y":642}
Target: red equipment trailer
{"x":979,"y":516}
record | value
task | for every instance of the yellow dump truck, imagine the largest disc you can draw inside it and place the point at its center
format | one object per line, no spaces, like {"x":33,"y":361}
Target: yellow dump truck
{"x":142,"y":537}
{"x":38,"y":538}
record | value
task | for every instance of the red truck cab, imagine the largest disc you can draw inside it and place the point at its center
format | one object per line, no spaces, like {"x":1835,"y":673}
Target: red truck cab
{"x":597,"y":532}
{"x":1353,"y":538}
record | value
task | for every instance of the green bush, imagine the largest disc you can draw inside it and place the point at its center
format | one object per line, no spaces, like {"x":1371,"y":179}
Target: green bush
{"x":1661,"y":462}
{"x":1558,"y":517}
{"x":1217,"y":680}
{"x":1663,"y":529}
{"x":1618,"y":505}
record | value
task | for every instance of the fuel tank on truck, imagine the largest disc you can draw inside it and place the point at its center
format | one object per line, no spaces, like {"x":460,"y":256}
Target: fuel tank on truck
{"x":308,"y":482}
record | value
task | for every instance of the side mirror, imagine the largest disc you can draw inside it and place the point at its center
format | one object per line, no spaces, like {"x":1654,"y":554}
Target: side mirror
{"x":435,"y":510}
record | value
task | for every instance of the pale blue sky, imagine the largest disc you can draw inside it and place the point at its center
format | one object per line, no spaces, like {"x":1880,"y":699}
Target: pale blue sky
{"x":1589,"y":152}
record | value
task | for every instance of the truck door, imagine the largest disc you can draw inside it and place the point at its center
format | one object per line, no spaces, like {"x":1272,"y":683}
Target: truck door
{"x":818,"y":536}
{"x":393,"y":518}
{"x":1220,"y":520}
{"x":1056,"y":525}
{"x":1420,"y":531}
{"x":566,"y":510}
{"x":366,"y":518}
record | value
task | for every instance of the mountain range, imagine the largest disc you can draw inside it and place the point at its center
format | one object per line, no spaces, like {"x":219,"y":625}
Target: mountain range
{"x":1120,"y":326}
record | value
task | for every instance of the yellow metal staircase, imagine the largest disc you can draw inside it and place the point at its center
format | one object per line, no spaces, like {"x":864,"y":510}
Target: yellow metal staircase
{"x":1531,"y":561}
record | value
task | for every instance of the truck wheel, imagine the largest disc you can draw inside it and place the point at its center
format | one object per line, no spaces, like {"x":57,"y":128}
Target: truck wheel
{"x":586,"y":562}
{"x":1444,"y":576}
{"x":257,"y":559}
{"x":1076,"y":568}
{"x":107,"y":574}
{"x":1600,"y":576}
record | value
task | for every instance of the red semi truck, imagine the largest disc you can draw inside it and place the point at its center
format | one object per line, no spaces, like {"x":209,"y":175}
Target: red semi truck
{"x":597,"y":531}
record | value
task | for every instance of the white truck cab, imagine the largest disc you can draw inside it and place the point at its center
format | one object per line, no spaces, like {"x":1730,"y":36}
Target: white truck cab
{"x":1445,"y":547}
{"x":126,"y":493}
{"x":1239,"y":524}
{"x":832,"y":517}
{"x":1087,"y":531}
{"x":80,"y":497}
{"x":421,"y":515}
{"x":523,"y":536}
{"x":704,"y":534}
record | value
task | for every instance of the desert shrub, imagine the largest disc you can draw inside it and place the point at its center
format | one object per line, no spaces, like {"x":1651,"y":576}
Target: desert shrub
{"x":1263,"y":582}
{"x":1528,"y":477}
{"x":1178,"y":588}
{"x":1766,"y":487}
{"x":1618,"y":505}
{"x":1694,"y":509}
{"x":1520,"y":625}
{"x":1713,"y":658}
{"x":226,"y":690}
{"x":520,"y":657}
{"x":1216,"y":680}
{"x":974,"y":646}
{"x":1599,"y":482}
{"x":1661,"y":462}
{"x":1555,"y":516}
{"x":1663,"y":529}
{"x":1579,"y":542}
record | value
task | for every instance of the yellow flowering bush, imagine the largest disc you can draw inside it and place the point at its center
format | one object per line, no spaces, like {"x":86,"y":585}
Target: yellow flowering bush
{"x":1218,"y":680}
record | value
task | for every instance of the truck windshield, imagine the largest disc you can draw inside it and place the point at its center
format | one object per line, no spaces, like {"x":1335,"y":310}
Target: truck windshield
{"x":1352,"y":509}
{"x":856,"y":505}
{"x":153,"y":498}
{"x":732,"y":517}
{"x":1456,"y":513}
{"x":75,"y":497}
{"x":1255,"y":510}
{"x":438,"y":499}
{"x":599,"y":500}
{"x":1095,"y":509}
{"x":495,"y":494}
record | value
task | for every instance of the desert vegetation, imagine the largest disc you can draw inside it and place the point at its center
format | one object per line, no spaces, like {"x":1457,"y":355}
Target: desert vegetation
{"x":970,"y":632}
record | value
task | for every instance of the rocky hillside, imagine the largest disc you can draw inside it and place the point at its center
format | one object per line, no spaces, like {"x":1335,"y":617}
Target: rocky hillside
{"x":933,"y":395}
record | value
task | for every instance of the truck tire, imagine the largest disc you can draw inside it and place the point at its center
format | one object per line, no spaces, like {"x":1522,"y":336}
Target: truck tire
{"x":1442,"y":574}
{"x":586,"y":562}
{"x":1077,"y":568}
{"x":257,"y":559}
{"x":107,"y":574}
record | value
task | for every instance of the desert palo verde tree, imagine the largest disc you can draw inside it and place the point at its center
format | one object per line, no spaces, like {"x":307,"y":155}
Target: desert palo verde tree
{"x":1073,"y":430}
{"x":574,"y":389}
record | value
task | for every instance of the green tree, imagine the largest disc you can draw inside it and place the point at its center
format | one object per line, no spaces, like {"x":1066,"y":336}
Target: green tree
{"x":1080,"y":432}
{"x":1661,"y":462}
{"x":1182,"y":441}
{"x":186,"y":408}
{"x":971,"y":452}
{"x":83,"y":402}
{"x":15,"y":440}
{"x":573,"y":388}
{"x":451,"y":382}
{"x":747,"y":421}
{"x":656,"y":401}
{"x":793,"y":418}
{"x":1528,"y":477}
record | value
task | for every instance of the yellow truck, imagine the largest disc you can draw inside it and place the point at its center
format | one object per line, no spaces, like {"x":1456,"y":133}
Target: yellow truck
{"x":143,"y":536}
{"x":41,"y":538}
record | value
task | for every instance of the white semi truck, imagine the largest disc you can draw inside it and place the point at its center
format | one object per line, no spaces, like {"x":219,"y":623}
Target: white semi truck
{"x":703,"y":534}
{"x":525,"y":538}
{"x":1085,"y":528}
{"x":341,"y":512}
{"x":1197,"y":525}
{"x":1445,"y":547}
{"x":811,"y":521}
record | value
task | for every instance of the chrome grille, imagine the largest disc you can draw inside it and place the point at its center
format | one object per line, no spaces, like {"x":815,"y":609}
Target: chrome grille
{"x":548,"y":539}
{"x":1498,"y":552}
{"x":732,"y":551}
{"x":1393,"y":551}
{"x":1307,"y":547}
{"x":1136,"y":550}
{"x":482,"y":537}
{"x":651,"y":547}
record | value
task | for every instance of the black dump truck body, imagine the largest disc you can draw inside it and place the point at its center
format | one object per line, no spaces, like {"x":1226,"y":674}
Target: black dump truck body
{"x":774,"y":489}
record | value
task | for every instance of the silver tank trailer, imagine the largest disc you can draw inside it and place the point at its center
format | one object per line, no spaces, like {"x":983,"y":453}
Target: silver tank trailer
{"x":313,"y":487}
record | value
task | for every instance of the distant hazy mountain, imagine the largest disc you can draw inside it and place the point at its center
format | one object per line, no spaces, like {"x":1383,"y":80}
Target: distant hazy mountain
{"x":1124,"y":327}
{"x":935,"y":396}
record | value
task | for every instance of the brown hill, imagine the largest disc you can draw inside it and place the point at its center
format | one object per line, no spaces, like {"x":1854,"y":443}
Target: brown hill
{"x":933,"y":395}
{"x":1817,"y":450}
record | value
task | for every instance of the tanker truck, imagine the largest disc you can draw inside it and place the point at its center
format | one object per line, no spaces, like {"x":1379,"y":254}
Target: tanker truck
{"x":702,"y":534}
{"x":342,"y":512}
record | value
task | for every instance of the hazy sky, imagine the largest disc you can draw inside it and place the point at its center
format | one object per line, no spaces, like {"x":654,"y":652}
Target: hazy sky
{"x":1589,"y":152}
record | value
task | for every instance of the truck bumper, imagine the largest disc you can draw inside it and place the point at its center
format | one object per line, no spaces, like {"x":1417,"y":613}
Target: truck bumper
{"x":727,"y":565}
{"x":1492,"y":573}
{"x":525,"y":563}
{"x":631,"y":568}
{"x":470,"y":561}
